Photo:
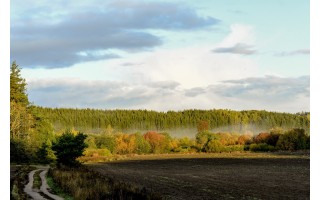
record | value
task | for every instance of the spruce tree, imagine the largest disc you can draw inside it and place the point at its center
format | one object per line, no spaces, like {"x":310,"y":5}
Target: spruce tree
{"x":18,"y":90}
{"x":20,"y":118}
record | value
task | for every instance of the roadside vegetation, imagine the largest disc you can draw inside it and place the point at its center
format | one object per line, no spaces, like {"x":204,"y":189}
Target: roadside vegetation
{"x":83,"y":183}
{"x":18,"y":179}
{"x":56,"y":189}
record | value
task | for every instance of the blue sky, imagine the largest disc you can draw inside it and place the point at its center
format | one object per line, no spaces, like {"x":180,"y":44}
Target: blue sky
{"x":164,"y":55}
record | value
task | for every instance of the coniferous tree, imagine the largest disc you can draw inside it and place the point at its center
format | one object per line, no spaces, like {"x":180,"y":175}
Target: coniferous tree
{"x":20,"y":117}
{"x":18,"y":90}
{"x":69,"y":147}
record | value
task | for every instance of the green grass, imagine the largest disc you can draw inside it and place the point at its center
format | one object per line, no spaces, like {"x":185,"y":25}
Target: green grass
{"x":37,"y":180}
{"x":55,"y":189}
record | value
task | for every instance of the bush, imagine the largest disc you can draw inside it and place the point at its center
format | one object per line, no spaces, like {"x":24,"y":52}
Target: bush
{"x":45,"y":154}
{"x":273,"y":139}
{"x":142,"y":146}
{"x":68,"y":147}
{"x":159,"y":142}
{"x":202,"y":139}
{"x":261,"y":138}
{"x":19,"y":152}
{"x":261,"y":147}
{"x":214,"y":146}
{"x":245,"y":139}
{"x":294,"y":139}
{"x":97,"y":152}
{"x":106,"y":140}
{"x":231,"y":148}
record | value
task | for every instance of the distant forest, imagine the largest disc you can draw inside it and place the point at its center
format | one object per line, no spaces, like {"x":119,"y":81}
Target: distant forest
{"x":122,"y":120}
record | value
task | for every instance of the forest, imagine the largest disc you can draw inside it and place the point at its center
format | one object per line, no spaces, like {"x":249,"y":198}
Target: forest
{"x":146,"y":120}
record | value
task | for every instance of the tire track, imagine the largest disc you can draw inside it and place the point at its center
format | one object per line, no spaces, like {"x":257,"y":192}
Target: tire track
{"x":34,"y":193}
{"x":44,"y":186}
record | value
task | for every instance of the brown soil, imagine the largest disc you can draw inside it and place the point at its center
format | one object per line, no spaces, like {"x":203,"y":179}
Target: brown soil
{"x":205,"y":177}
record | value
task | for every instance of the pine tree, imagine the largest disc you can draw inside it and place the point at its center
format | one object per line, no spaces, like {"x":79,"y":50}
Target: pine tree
{"x":20,"y":117}
{"x":18,"y":90}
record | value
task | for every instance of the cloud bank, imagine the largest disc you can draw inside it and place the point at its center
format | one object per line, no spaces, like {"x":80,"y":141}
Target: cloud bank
{"x":66,"y":38}
{"x":239,"y":48}
{"x":294,"y":53}
{"x":269,"y":92}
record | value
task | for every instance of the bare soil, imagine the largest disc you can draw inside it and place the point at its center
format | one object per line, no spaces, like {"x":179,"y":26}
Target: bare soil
{"x":202,"y":176}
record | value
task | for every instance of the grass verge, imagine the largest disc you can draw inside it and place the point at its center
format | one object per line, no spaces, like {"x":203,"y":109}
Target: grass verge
{"x":18,"y":180}
{"x":55,"y":189}
{"x":83,"y":183}
{"x":37,"y":180}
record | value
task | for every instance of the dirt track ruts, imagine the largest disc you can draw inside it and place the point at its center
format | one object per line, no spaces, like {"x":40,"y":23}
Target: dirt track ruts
{"x":44,"y":186}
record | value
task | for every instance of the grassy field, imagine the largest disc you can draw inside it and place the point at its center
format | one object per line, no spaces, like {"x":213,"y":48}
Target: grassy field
{"x":215,"y":176}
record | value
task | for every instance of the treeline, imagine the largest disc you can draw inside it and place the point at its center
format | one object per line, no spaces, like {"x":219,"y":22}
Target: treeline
{"x":238,"y":121}
{"x":111,"y":142}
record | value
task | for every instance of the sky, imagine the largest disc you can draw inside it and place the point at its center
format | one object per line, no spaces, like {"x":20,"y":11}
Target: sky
{"x":164,"y":55}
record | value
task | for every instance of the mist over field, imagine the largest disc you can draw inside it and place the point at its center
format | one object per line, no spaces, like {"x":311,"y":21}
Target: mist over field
{"x":191,"y":132}
{"x":251,"y":129}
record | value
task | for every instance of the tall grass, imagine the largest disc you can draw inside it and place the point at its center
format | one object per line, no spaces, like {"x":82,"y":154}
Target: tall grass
{"x":37,"y":180}
{"x":55,"y":189}
{"x":83,"y":183}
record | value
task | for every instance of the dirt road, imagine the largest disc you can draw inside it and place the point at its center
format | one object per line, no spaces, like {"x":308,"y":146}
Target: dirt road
{"x":43,"y":193}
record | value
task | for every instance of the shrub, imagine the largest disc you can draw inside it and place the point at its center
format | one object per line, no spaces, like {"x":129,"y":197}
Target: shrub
{"x":261,"y":138}
{"x":231,"y":148}
{"x":273,"y":139}
{"x":142,"y":146}
{"x":97,"y":152}
{"x":159,"y":143}
{"x":68,"y":147}
{"x":19,"y":152}
{"x":202,"y":139}
{"x":245,"y":139}
{"x":45,"y":154}
{"x":294,"y":139}
{"x":261,"y":147}
{"x":106,"y":140}
{"x":214,"y":146}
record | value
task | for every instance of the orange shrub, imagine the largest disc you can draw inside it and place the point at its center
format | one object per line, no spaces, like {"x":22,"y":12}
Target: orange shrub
{"x":158,"y":142}
{"x":261,"y":138}
{"x":244,"y":139}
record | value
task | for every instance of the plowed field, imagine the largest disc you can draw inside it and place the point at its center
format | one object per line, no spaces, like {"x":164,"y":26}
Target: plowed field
{"x":203,"y":176}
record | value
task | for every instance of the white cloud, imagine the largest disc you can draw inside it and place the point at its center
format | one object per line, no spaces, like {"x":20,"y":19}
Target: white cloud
{"x":239,"y":48}
{"x":191,"y":67}
{"x":294,"y":53}
{"x":269,"y":93}
{"x":239,"y":33}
